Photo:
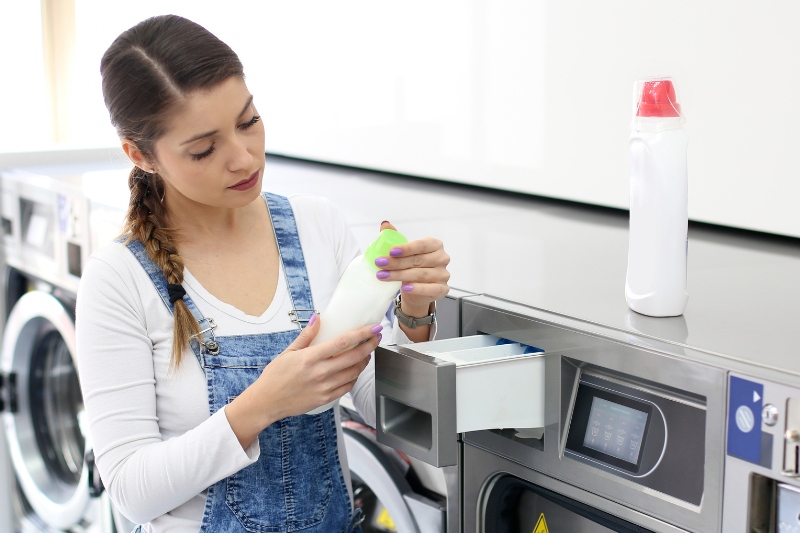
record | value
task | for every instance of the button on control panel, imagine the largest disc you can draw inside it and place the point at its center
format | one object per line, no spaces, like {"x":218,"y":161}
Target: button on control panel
{"x":769,"y":415}
{"x":744,"y":435}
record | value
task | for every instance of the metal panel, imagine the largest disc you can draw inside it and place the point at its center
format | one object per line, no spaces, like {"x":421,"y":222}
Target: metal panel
{"x":743,"y":498}
{"x":448,"y":314}
{"x":569,"y":351}
{"x":486,"y":468}
{"x":416,"y":399}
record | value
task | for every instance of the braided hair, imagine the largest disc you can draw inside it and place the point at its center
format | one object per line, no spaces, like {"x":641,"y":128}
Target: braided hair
{"x":146,"y":72}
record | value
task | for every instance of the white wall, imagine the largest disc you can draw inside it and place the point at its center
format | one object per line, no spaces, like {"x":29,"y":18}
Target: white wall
{"x":524,"y":95}
{"x":24,"y":102}
{"x":535,"y":96}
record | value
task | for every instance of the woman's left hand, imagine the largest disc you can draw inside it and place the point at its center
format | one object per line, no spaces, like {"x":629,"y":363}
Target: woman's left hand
{"x":422,"y":267}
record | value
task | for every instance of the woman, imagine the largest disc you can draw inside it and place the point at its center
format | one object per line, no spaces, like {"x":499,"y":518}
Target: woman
{"x":195,"y":376}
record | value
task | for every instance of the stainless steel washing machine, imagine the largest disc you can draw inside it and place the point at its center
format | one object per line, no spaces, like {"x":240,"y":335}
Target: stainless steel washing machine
{"x":47,"y":240}
{"x":637,"y":434}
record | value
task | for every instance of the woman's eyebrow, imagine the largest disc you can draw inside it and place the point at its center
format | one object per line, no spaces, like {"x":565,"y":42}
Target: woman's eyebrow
{"x":210,"y":133}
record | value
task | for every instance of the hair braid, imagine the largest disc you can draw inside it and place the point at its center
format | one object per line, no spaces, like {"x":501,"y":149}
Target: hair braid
{"x":145,"y":221}
{"x":147,"y":71}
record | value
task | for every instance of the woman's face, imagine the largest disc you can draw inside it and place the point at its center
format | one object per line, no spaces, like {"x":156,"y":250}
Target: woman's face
{"x":213,"y":150}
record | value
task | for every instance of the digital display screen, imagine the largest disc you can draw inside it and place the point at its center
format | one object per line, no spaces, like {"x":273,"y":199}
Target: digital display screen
{"x":612,"y":428}
{"x":615,"y":429}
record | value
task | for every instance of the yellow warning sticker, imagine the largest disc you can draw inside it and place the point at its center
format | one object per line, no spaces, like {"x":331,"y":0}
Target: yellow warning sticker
{"x":541,"y":525}
{"x":386,"y":521}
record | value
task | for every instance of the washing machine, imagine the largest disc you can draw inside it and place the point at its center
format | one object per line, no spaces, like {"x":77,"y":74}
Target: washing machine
{"x":47,"y":237}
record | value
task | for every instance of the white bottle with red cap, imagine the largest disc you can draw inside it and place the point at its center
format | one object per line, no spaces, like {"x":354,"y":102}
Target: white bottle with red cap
{"x":657,"y":250}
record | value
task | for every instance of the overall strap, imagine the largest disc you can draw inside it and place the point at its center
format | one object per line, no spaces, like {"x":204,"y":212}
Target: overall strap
{"x":159,"y":280}
{"x":294,"y":264}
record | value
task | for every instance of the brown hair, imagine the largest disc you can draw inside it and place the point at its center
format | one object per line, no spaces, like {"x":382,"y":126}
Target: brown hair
{"x":147,"y":71}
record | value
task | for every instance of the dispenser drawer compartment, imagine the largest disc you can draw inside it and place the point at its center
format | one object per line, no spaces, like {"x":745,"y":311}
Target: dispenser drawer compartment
{"x":429,"y":392}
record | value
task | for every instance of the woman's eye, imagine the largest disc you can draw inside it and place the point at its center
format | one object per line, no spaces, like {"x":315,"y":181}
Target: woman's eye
{"x":198,"y":157}
{"x":251,"y":122}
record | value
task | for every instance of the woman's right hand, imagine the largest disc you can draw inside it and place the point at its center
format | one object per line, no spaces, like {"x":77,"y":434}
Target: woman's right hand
{"x":302,"y":378}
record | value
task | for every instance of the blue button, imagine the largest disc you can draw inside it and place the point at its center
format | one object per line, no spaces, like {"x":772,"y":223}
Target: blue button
{"x":744,"y":428}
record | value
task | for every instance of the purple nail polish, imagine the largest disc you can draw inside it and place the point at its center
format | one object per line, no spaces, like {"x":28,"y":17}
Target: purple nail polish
{"x":377,"y":329}
{"x":394,"y":252}
{"x":312,"y":319}
{"x":382,"y":261}
{"x":380,"y":337}
{"x":407,"y":288}
{"x":383,"y":274}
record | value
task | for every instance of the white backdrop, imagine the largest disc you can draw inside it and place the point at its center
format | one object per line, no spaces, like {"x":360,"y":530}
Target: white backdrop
{"x":535,"y":96}
{"x":523,"y":95}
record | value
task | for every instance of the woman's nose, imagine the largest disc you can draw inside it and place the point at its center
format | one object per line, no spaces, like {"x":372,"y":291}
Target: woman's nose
{"x":241,"y":158}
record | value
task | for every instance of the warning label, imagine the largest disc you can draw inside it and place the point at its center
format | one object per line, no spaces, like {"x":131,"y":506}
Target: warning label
{"x":541,"y":525}
{"x":386,"y":521}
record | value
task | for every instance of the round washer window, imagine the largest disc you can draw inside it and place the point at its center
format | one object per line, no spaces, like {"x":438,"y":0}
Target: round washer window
{"x":56,"y":405}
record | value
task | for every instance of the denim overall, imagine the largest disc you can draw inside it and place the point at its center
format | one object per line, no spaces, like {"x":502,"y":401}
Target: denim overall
{"x":297,"y":483}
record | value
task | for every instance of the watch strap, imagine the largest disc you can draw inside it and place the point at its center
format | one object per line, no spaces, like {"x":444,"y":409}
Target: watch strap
{"x":410,"y":321}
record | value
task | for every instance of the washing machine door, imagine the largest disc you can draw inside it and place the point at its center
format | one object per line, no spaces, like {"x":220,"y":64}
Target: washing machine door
{"x":45,"y":439}
{"x":515,"y":505}
{"x":384,"y":495}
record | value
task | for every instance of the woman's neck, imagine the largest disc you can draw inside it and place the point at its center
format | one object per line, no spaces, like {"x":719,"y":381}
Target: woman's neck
{"x":193,"y":221}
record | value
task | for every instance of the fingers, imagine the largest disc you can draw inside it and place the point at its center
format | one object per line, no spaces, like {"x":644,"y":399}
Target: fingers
{"x":306,"y":336}
{"x":416,"y":276}
{"x":430,"y":292}
{"x":346,"y":341}
{"x":437,"y":258}
{"x":338,"y":374}
{"x":419,"y":246}
{"x":387,"y":225}
{"x":353,"y":357}
{"x":421,"y":266}
{"x":350,"y":373}
{"x":344,"y":389}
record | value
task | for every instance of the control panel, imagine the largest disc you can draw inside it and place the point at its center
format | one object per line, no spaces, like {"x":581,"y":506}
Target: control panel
{"x":762,"y":450}
{"x":639,"y":433}
{"x":613,"y":428}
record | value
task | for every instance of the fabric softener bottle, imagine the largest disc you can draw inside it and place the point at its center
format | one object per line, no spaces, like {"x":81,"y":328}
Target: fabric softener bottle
{"x":360,"y":298}
{"x":656,"y":280}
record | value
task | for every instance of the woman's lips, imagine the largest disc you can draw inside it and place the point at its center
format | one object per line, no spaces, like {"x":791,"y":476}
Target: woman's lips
{"x":246,"y":184}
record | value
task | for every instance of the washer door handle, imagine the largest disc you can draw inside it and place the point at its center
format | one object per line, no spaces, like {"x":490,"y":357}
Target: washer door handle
{"x":8,"y":392}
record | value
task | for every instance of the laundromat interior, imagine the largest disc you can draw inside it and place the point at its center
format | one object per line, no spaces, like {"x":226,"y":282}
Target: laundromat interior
{"x":547,"y":399}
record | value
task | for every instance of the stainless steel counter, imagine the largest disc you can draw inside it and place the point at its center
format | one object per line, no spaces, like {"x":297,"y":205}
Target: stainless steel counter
{"x":744,"y":288}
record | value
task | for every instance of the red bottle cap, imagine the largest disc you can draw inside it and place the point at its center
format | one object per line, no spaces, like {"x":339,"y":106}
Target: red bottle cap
{"x":658,"y":100}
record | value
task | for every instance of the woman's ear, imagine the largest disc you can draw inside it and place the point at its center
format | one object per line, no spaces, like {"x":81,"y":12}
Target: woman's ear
{"x":136,"y":156}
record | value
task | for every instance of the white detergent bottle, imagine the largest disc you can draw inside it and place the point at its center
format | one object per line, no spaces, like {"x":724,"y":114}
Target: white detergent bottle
{"x":360,"y":298}
{"x":656,"y":281}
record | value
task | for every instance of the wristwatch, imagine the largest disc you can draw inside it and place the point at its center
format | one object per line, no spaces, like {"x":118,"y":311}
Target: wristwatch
{"x":410,"y":321}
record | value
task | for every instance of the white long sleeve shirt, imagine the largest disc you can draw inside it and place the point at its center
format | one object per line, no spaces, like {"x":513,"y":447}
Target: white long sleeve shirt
{"x":158,"y":448}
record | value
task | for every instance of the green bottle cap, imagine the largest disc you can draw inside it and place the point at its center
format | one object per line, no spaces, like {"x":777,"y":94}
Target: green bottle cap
{"x":387,"y":240}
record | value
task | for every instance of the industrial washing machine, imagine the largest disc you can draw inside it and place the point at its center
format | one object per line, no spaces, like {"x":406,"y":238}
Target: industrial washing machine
{"x":47,"y":238}
{"x":560,"y":425}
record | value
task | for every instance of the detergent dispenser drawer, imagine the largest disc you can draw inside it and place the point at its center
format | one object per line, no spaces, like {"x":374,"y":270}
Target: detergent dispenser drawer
{"x":428,"y":392}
